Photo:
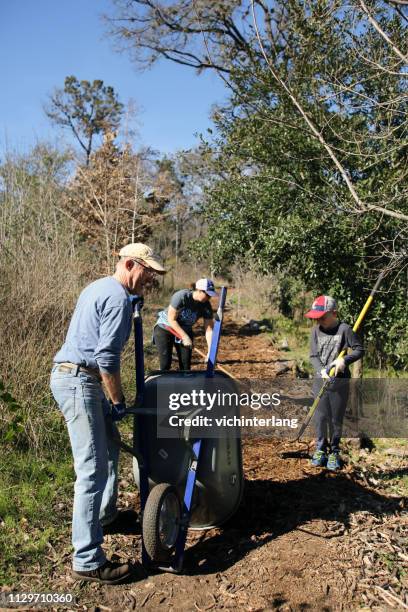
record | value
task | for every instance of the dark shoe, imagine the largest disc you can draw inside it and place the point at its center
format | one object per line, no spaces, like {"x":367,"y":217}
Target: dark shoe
{"x":108,"y":573}
{"x":110,"y":519}
{"x":319,"y":459}
{"x":126,"y":522}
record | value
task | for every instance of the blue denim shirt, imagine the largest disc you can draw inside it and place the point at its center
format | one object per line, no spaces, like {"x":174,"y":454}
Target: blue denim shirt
{"x":99,"y":328}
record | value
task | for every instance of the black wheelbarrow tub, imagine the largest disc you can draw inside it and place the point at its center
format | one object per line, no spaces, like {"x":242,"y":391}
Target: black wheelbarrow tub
{"x":219,"y":484}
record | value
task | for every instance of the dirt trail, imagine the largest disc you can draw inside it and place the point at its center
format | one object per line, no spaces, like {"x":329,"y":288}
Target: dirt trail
{"x":290,"y":545}
{"x":244,"y":353}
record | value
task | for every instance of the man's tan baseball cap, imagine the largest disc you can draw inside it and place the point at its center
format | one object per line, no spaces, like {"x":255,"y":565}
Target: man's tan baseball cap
{"x":138,"y":250}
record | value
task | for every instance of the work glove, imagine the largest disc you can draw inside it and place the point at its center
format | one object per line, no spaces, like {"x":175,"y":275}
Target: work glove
{"x":339,"y":364}
{"x":324,"y":374}
{"x":187,"y":342}
{"x":118,"y":411}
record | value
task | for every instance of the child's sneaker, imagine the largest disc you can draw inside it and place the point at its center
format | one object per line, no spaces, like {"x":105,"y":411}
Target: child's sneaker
{"x":333,"y":462}
{"x":319,"y":459}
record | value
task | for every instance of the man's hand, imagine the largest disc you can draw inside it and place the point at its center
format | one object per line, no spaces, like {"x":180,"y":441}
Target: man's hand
{"x":186,"y":341}
{"x":339,"y":364}
{"x":324,"y":374}
{"x":118,"y":411}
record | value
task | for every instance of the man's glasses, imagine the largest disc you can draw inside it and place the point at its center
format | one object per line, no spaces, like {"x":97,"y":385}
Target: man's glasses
{"x":150,"y":271}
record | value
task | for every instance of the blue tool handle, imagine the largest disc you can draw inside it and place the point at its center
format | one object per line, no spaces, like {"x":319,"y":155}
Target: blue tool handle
{"x":215,"y":341}
{"x":221,"y":304}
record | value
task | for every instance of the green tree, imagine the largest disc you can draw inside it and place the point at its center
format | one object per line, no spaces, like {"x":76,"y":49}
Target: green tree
{"x":307,"y":164}
{"x":87,"y":109}
{"x":321,"y":62}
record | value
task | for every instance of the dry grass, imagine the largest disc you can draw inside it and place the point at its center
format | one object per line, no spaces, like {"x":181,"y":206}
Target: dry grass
{"x":255,"y":295}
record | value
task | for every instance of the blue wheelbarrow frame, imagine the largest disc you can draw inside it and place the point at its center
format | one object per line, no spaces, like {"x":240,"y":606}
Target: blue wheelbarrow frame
{"x":140,"y":449}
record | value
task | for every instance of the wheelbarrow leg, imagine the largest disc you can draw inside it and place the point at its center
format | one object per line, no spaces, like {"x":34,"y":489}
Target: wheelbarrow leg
{"x":187,"y":503}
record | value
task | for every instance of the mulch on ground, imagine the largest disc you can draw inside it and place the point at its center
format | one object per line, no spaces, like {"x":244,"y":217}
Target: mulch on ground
{"x":302,"y":539}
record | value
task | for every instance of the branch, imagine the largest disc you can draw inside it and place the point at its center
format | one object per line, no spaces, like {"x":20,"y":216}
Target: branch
{"x":361,"y":206}
{"x":164,"y":32}
{"x":200,"y":64}
{"x":307,"y":119}
{"x":70,"y":123}
{"x":385,"y":36}
{"x":184,"y":58}
{"x":388,"y":212}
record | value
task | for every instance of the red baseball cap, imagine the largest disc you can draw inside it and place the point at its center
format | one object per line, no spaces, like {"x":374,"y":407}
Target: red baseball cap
{"x":321,"y":305}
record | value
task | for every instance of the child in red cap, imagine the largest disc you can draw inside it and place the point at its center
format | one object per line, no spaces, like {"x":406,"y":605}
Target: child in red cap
{"x":328,"y":339}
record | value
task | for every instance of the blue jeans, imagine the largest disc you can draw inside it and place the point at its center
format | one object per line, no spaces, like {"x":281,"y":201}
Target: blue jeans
{"x":86,"y":412}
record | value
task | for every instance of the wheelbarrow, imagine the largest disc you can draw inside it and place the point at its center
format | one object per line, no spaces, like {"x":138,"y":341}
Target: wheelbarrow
{"x":184,"y":482}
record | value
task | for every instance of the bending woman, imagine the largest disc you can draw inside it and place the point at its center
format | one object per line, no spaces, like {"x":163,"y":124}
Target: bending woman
{"x":186,"y":307}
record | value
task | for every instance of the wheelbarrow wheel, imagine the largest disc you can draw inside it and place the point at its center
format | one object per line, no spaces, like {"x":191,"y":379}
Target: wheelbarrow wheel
{"x":161,"y":522}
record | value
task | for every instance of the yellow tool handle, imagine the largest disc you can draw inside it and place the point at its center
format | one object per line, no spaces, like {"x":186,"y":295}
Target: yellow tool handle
{"x":355,"y":328}
{"x":362,"y":314}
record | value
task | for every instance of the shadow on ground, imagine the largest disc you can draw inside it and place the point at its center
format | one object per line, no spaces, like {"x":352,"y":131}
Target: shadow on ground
{"x":127,"y":523}
{"x":270,"y":509}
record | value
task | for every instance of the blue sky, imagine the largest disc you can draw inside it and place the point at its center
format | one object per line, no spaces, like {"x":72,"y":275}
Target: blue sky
{"x":43,"y":41}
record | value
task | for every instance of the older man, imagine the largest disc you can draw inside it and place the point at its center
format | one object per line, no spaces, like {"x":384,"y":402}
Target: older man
{"x":90,"y":356}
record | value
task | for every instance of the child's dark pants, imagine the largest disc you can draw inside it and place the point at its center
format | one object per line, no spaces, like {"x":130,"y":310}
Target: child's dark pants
{"x":329,"y":415}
